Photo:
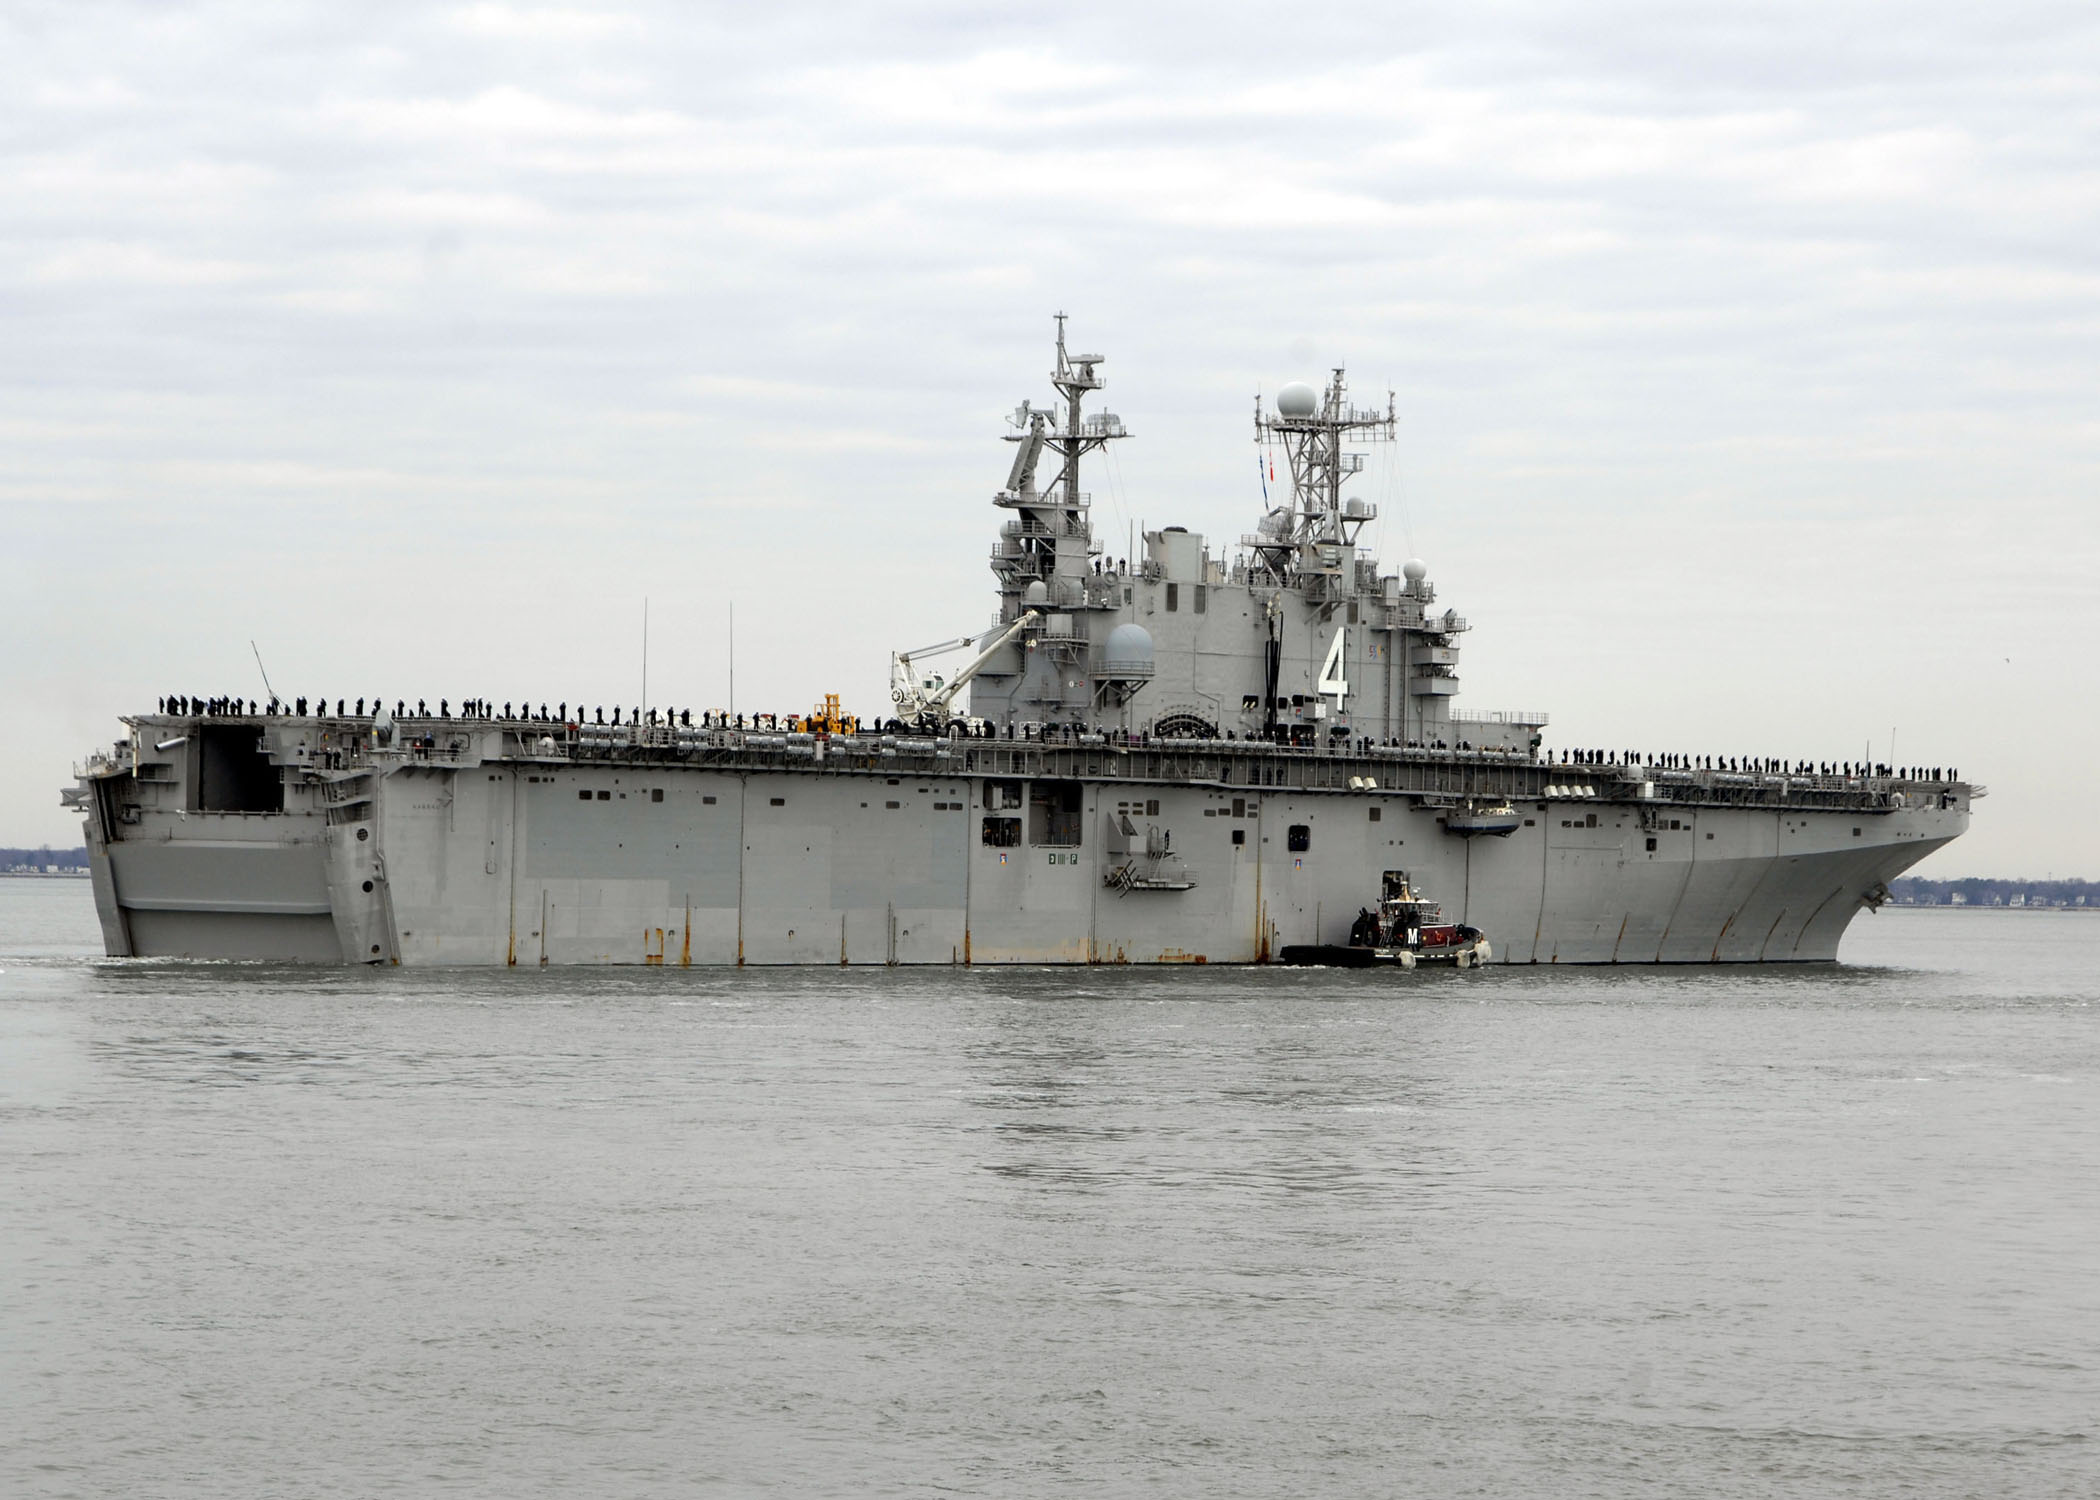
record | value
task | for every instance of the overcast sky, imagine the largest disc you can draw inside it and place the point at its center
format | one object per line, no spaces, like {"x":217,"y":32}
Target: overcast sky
{"x":1746,"y":359}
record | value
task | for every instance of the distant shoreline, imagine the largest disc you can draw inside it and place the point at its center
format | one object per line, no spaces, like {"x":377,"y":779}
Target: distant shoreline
{"x":1971,"y":906}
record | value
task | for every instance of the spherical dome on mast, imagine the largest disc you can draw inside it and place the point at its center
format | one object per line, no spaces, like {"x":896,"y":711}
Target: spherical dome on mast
{"x":1414,"y":570}
{"x":1297,"y":400}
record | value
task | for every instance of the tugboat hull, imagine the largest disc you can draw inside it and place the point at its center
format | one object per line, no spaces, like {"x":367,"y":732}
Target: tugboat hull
{"x":1338,"y":956}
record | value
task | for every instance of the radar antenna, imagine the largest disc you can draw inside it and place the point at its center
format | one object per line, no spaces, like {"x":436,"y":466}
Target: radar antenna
{"x":1307,"y":535}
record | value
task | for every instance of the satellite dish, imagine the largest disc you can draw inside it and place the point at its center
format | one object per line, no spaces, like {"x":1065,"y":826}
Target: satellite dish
{"x":1297,"y":400}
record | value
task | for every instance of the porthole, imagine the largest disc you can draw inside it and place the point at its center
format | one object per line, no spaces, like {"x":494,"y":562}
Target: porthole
{"x":368,"y":887}
{"x":363,"y":834}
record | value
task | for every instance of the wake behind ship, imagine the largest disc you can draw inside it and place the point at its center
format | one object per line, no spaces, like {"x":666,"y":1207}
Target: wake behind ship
{"x":1201,"y":753}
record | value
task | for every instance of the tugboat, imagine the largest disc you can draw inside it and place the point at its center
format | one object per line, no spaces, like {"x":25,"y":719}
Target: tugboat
{"x":1406,"y":930}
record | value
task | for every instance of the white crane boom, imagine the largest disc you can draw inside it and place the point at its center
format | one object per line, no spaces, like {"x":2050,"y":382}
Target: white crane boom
{"x":947,"y":695}
{"x":915,"y":702}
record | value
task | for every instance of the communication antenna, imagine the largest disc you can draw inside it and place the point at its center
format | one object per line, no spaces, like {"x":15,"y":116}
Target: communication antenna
{"x":732,"y":656}
{"x":645,"y":653}
{"x":264,"y":670}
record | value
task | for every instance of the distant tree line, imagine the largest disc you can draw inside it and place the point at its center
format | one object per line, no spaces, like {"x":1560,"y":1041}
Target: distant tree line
{"x":43,"y":857}
{"x":1913,"y":890}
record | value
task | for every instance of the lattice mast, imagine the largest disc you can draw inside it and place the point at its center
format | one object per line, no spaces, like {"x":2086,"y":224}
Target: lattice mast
{"x":1311,"y":428}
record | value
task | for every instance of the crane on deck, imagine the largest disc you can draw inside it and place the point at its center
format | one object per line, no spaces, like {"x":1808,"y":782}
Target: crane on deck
{"x":924,"y":703}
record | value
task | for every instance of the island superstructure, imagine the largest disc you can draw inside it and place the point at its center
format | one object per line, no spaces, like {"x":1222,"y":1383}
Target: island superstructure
{"x":1200,"y":753}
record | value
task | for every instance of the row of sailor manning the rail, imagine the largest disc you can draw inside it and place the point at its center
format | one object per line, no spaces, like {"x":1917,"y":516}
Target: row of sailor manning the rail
{"x":183,"y":705}
{"x":1750,"y":765}
{"x":513,"y":712}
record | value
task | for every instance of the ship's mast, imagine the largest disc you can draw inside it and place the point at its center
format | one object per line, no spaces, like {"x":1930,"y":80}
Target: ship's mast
{"x":1051,"y":539}
{"x":1306,"y":536}
{"x":1074,"y":377}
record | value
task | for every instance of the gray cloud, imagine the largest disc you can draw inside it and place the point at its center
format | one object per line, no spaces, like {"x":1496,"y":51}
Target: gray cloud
{"x":1745,"y":359}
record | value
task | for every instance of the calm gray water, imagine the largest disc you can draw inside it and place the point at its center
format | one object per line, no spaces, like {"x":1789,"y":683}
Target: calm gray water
{"x":1206,"y":1233}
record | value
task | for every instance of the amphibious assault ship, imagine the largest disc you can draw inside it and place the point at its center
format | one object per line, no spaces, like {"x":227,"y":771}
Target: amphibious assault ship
{"x":1196,"y":753}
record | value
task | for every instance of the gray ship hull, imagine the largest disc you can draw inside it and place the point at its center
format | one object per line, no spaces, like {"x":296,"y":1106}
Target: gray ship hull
{"x":727,"y":849}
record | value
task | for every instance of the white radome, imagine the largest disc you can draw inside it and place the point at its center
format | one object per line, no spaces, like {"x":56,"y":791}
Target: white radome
{"x":1129,"y":649}
{"x":1297,"y":400}
{"x":1414,"y":570}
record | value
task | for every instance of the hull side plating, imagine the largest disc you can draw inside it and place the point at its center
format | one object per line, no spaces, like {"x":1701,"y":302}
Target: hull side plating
{"x":537,"y":864}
